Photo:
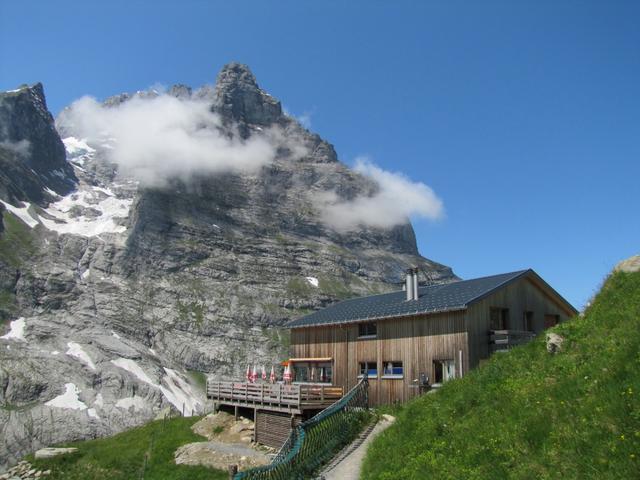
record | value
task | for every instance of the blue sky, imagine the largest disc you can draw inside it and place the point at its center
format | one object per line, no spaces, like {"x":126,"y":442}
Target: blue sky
{"x":524,"y":117}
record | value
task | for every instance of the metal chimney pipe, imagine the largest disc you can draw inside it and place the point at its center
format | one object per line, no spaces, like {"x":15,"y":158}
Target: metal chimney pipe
{"x":415,"y":284}
{"x":409,"y":284}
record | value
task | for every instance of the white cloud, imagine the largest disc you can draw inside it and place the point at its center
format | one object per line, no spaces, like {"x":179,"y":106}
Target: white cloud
{"x":304,"y":119}
{"x":397,"y":199}
{"x":21,"y":147}
{"x":154,"y":139}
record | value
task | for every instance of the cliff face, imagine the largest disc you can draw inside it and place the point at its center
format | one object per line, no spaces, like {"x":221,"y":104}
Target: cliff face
{"x":32,"y":156}
{"x":115,"y":289}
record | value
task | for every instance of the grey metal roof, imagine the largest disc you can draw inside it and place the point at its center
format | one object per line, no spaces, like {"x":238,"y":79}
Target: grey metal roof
{"x":431,"y":299}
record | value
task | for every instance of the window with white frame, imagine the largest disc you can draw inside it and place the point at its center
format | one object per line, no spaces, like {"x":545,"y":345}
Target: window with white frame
{"x":368,"y":368}
{"x":393,"y":369}
{"x":444,"y":370}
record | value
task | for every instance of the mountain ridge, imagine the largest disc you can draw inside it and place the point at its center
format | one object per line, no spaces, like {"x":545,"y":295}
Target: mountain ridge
{"x":126,"y":286}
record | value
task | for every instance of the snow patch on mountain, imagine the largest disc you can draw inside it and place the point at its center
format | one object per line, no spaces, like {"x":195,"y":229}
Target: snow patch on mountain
{"x":88,"y":212}
{"x":179,"y":393}
{"x":132,"y":367}
{"x":78,"y":151}
{"x":75,"y":350}
{"x":22,"y":213}
{"x":69,"y":399}
{"x":16,"y":330}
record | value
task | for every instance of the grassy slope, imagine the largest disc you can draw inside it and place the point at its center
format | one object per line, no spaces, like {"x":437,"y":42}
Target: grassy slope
{"x":121,"y":457}
{"x":529,"y":414}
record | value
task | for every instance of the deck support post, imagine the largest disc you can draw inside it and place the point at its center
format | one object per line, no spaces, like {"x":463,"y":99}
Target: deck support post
{"x":235,"y":412}
{"x":255,"y":425}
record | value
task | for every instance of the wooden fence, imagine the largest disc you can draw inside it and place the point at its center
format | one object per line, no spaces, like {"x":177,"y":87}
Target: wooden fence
{"x":505,"y":339}
{"x":274,"y":396}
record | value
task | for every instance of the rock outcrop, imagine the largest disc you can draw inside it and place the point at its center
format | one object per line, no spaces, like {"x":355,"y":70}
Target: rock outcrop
{"x":115,"y":291}
{"x":554,"y":342}
{"x":630,"y":265}
{"x":33,"y":164}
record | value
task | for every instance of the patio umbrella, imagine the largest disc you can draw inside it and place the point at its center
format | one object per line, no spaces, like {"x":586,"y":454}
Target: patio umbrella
{"x":264,"y":373}
{"x":272,"y":377}
{"x":248,"y":374}
{"x":287,"y":374}
{"x":313,"y":374}
{"x":254,"y":374}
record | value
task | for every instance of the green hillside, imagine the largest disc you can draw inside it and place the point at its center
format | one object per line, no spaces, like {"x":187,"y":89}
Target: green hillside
{"x":529,"y":414}
{"x":143,"y":452}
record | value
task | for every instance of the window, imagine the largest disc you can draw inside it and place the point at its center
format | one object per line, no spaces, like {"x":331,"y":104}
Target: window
{"x":528,"y":321}
{"x":367,"y":330}
{"x":312,"y":372}
{"x":444,"y":370}
{"x":368,"y":368}
{"x":498,"y":318}
{"x":551,"y":320}
{"x":393,"y":370}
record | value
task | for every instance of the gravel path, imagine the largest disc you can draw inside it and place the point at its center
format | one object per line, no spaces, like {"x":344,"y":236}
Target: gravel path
{"x":349,"y":468}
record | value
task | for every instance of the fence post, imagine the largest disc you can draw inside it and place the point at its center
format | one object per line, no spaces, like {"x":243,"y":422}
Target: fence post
{"x":299,"y":395}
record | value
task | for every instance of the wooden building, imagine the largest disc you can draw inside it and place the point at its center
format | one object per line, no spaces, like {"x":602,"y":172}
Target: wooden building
{"x":423,"y":334}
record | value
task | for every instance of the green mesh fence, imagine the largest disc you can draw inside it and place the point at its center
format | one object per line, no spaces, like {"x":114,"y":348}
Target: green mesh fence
{"x":317,"y":440}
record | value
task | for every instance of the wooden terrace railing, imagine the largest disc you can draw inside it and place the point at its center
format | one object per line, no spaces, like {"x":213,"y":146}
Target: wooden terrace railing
{"x":274,"y":396}
{"x":500,"y":340}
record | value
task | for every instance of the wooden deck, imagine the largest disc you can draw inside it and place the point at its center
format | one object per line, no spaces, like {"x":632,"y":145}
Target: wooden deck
{"x":501,"y":340}
{"x":275,"y":397}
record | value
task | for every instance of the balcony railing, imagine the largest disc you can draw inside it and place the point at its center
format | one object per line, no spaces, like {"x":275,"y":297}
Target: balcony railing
{"x":501,"y":340}
{"x":274,"y":396}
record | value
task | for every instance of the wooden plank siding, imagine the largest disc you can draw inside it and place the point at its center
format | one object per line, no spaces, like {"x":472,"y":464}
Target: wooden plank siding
{"x":522,"y":295}
{"x":415,"y":341}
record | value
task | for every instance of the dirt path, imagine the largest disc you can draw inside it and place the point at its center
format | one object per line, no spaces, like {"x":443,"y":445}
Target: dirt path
{"x":349,"y":468}
{"x":229,"y":442}
{"x":220,"y":455}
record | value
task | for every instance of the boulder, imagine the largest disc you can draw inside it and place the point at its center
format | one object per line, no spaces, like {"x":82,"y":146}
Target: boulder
{"x":554,"y":342}
{"x":630,"y":265}
{"x":53,"y":452}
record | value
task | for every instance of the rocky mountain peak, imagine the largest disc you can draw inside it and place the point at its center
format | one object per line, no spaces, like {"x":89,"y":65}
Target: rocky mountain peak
{"x":238,"y":96}
{"x":32,"y":155}
{"x":235,"y":72}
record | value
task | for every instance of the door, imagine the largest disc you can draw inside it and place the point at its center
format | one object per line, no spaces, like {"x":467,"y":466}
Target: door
{"x":551,"y":320}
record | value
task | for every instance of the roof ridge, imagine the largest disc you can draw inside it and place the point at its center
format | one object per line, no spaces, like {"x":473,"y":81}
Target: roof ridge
{"x":519,"y":272}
